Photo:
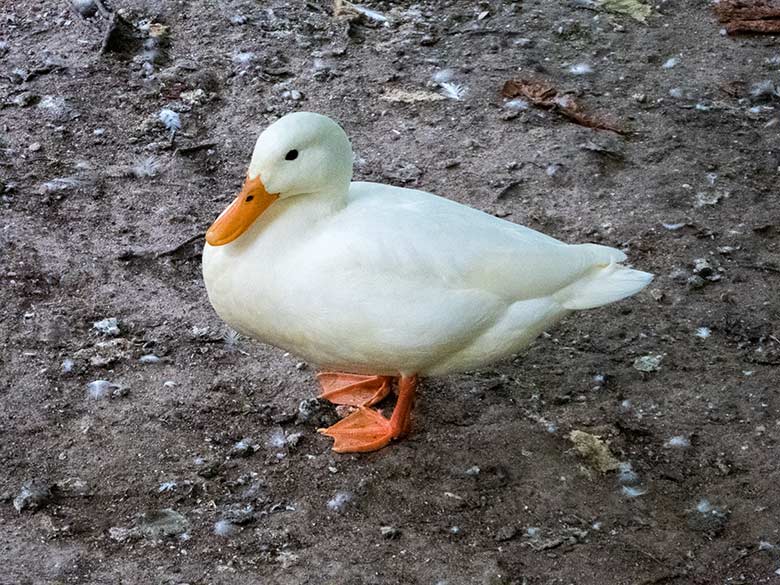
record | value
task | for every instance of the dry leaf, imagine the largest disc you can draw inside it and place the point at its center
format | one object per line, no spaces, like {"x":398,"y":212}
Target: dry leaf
{"x":546,"y":96}
{"x":632,"y":8}
{"x":749,"y":16}
{"x":594,"y":451}
{"x":411,"y":96}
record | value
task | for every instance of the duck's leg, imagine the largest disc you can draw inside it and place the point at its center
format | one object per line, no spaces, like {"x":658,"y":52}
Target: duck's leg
{"x":367,"y":430}
{"x":353,"y":389}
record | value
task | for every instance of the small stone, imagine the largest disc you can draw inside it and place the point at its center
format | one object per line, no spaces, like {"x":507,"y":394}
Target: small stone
{"x":679,"y":275}
{"x":86,"y":8}
{"x":696,"y":282}
{"x":506,"y":533}
{"x":473,"y":471}
{"x":243,"y":448}
{"x":702,"y":268}
{"x":109,"y":326}
{"x":648,"y":363}
{"x":240,"y":515}
{"x":162,"y":523}
{"x":34,"y":494}
{"x":149,"y":359}
{"x":294,"y":439}
{"x":389,"y":532}
{"x":34,"y":147}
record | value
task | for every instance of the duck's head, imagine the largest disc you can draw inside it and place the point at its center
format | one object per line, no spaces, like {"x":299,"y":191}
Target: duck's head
{"x":300,"y":154}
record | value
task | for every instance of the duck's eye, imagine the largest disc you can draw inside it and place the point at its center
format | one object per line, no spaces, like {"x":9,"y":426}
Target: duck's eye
{"x":292,"y":155}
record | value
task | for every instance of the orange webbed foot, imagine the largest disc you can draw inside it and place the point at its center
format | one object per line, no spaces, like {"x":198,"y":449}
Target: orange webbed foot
{"x":353,"y":389}
{"x":367,"y":430}
{"x":362,"y":431}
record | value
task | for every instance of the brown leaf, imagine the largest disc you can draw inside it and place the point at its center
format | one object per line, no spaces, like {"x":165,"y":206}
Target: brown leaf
{"x":749,"y":16}
{"x":545,"y":96}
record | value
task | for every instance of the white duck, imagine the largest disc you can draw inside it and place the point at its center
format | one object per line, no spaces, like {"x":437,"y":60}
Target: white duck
{"x":384,"y":282}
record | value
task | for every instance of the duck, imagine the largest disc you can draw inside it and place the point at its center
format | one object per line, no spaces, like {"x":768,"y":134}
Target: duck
{"x":379,"y":286}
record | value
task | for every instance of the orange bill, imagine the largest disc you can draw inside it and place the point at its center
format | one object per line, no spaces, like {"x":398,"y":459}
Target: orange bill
{"x":245,"y":209}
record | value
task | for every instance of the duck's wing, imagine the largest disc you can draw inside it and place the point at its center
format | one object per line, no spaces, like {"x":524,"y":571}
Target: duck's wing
{"x":405,"y":234}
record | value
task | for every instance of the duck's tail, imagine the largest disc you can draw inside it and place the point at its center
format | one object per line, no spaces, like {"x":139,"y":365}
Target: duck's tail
{"x":605,"y":284}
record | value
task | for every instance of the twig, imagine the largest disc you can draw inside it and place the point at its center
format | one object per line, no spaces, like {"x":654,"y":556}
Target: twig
{"x":133,"y":254}
{"x":762,"y":267}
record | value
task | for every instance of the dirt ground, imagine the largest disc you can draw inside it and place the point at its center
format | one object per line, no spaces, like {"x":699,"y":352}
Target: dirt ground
{"x":201,"y":464}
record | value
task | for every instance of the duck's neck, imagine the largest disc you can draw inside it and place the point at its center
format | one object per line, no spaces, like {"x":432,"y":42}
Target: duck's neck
{"x":293,"y":217}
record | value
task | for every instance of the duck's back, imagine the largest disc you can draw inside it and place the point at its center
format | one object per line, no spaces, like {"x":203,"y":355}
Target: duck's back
{"x":418,"y":234}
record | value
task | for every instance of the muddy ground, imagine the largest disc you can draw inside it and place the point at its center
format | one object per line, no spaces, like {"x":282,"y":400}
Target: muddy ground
{"x":147,"y":480}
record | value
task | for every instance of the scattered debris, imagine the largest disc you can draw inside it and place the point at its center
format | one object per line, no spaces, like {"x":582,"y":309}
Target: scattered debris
{"x":678,"y":442}
{"x":100,"y":389}
{"x":648,"y":363}
{"x":546,"y":96}
{"x":105,"y":353}
{"x":453,"y":91}
{"x":626,"y":474}
{"x":170,"y":120}
{"x":506,"y":533}
{"x":225,"y":528}
{"x":707,"y":518}
{"x":633,"y":492}
{"x":147,"y":167}
{"x":704,"y":199}
{"x":34,"y":494}
{"x":243,"y":448}
{"x":339,"y":502}
{"x":671,"y":63}
{"x":389,"y":532}
{"x":748,"y":16}
{"x":161,"y":524}
{"x":594,"y":451}
{"x":581,"y":69}
{"x":344,"y":7}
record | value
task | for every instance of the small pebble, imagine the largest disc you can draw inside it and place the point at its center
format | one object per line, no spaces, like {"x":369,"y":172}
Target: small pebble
{"x":648,"y":363}
{"x":243,"y":448}
{"x":149,"y":359}
{"x":506,"y":533}
{"x":86,"y":8}
{"x":34,"y":147}
{"x":109,"y":326}
{"x":34,"y":494}
{"x":473,"y":470}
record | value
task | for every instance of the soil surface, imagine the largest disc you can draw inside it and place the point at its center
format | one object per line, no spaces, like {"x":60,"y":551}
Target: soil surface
{"x":196,"y":459}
